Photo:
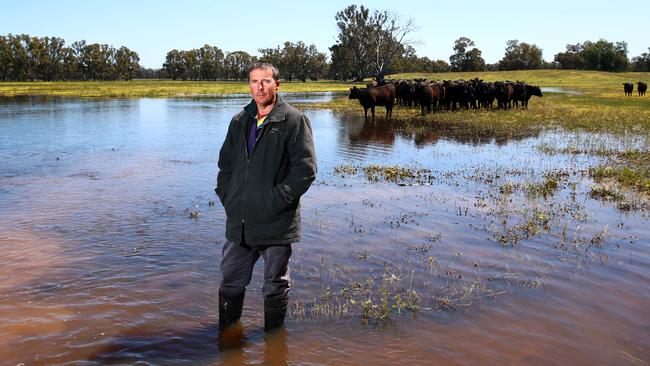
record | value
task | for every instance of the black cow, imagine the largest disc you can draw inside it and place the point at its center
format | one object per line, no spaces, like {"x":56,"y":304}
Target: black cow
{"x":405,"y":93}
{"x":504,"y":93}
{"x":642,"y":87}
{"x":530,"y":91}
{"x":374,"y":96}
{"x":519,"y":93}
{"x":628,"y":88}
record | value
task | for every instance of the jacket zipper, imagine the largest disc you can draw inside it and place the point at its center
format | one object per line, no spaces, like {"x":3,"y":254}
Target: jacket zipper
{"x":248,"y":160}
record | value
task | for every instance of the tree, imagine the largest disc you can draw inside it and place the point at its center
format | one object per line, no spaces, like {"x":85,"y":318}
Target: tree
{"x":600,"y":56}
{"x":5,"y":58}
{"x":521,"y":56}
{"x":369,"y":42}
{"x":126,"y":63}
{"x":70,"y":69}
{"x":464,"y":59}
{"x":317,"y":66}
{"x":570,"y":59}
{"x":440,"y":66}
{"x":173,"y":65}
{"x":191,"y":65}
{"x":54,"y":47}
{"x":342,"y":66}
{"x":605,"y":56}
{"x":210,"y":62}
{"x":297,"y":61}
{"x":642,"y":62}
{"x":23,"y":57}
{"x":236,"y":64}
{"x":20,"y":59}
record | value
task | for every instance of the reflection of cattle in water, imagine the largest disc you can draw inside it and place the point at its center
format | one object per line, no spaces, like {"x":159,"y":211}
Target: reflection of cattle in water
{"x":642,"y":87}
{"x":375,"y":96}
{"x":628,"y":88}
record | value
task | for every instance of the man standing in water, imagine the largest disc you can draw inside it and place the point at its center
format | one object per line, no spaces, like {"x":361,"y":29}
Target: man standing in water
{"x":266,"y":163}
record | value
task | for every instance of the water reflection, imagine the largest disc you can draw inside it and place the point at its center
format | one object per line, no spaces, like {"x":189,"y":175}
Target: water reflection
{"x":360,"y":131}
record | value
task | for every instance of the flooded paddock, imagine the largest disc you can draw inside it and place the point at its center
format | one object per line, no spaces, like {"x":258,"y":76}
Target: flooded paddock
{"x":439,"y":245}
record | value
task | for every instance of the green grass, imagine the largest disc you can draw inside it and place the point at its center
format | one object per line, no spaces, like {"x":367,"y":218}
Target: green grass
{"x":600,"y":104}
{"x":592,"y":83}
{"x":152,"y":88}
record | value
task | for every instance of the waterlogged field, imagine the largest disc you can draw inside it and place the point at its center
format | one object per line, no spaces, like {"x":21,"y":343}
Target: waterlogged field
{"x":591,"y":83}
{"x":150,"y":88}
{"x":472,"y":237}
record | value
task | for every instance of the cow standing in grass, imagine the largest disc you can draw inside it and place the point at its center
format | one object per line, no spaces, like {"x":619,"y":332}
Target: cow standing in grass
{"x":519,"y":94}
{"x":504,"y":92}
{"x":427,"y":94}
{"x":642,"y":87}
{"x":531,"y":90}
{"x":628,"y":88}
{"x":370,"y":97}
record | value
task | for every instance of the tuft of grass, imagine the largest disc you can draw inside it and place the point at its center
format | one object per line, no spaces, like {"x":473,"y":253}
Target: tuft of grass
{"x":636,"y":177}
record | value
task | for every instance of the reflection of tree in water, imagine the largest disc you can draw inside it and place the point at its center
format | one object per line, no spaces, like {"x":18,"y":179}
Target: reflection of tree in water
{"x":359,"y":132}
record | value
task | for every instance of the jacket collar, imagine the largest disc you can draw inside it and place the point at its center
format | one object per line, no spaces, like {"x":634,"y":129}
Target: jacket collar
{"x":278,"y":113}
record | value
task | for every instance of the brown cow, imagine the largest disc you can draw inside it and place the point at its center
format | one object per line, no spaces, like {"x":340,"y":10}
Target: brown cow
{"x":427,"y":94}
{"x":374,"y":96}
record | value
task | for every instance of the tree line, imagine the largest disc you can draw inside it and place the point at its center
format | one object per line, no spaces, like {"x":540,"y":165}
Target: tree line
{"x":369,"y":44}
{"x":296,"y":61}
{"x":26,"y":58}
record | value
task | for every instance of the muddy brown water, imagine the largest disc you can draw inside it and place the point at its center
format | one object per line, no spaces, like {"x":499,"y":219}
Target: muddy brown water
{"x":102,"y":262}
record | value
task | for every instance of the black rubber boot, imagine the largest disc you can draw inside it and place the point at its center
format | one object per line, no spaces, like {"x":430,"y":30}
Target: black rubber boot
{"x":231,"y":331}
{"x":230,"y":308}
{"x":275,"y":308}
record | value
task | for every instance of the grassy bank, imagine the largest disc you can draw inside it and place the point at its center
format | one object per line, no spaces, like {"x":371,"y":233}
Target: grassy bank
{"x":151,"y":88}
{"x":589,"y":82}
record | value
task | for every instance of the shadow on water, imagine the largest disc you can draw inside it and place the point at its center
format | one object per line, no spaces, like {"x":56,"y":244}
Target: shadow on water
{"x":201,"y":346}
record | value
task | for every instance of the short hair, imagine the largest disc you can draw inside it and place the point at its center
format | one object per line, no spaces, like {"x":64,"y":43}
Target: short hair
{"x":265,"y":65}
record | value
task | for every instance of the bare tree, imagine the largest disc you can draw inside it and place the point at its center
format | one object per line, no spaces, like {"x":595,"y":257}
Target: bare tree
{"x":367,"y":44}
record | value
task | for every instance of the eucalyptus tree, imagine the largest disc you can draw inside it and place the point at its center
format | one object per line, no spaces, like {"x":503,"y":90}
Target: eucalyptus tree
{"x":368,"y":43}
{"x":466,"y":56}
{"x":521,"y":56}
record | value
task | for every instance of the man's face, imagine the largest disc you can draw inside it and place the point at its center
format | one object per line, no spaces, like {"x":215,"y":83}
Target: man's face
{"x":263,"y":86}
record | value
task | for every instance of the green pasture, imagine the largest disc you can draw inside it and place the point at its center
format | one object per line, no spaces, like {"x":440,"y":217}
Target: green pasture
{"x":591,"y":83}
{"x":151,"y":88}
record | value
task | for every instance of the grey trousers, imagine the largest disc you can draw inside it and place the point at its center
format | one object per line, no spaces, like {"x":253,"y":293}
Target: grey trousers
{"x":238,"y":260}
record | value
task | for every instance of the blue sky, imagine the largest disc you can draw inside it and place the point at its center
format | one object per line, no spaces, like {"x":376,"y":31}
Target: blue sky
{"x":151,"y":28}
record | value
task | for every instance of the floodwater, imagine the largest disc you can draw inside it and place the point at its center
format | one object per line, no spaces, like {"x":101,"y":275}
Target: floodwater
{"x":104,"y":261}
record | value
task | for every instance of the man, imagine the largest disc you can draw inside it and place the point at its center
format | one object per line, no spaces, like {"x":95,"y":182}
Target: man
{"x":266,"y":163}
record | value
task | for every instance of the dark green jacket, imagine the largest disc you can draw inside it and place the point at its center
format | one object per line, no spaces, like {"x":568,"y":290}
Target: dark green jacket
{"x":261,"y":192}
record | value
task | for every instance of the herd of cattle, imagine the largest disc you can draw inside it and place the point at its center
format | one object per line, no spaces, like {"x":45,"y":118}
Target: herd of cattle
{"x":447,"y":94}
{"x":628,"y":88}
